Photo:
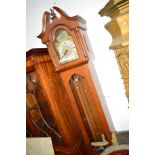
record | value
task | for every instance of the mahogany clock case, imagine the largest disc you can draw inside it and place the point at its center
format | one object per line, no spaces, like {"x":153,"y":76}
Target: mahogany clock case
{"x":74,"y":109}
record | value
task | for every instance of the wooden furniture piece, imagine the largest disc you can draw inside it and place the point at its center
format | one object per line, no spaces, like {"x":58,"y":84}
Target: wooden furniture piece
{"x":45,"y":89}
{"x":38,"y":113}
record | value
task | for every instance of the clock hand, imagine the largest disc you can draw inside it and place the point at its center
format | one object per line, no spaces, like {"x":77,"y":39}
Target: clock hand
{"x":66,"y":52}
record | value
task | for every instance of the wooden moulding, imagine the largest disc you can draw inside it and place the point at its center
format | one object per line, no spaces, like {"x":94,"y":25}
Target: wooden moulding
{"x":50,"y":20}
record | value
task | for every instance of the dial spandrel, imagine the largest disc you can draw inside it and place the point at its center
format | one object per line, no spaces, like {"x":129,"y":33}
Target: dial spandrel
{"x":65,"y":47}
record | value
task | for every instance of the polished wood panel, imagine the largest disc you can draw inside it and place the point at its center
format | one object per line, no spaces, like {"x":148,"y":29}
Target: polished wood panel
{"x":86,"y":106}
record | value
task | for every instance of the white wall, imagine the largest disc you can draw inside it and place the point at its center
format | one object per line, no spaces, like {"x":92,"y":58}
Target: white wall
{"x":114,"y":100}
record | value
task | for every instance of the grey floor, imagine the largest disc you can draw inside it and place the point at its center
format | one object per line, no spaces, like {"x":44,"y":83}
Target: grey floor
{"x":123,"y":137}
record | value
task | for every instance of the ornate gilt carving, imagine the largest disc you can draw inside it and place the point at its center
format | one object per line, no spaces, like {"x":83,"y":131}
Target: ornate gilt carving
{"x":122,"y":56}
{"x":118,"y":27}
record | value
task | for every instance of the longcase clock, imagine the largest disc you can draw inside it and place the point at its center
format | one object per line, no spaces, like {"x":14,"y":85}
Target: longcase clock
{"x":70,"y":52}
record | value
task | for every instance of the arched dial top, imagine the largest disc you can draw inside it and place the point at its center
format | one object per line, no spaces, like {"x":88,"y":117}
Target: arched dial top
{"x":65,"y":47}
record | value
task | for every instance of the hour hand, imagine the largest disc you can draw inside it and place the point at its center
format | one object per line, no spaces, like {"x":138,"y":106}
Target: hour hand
{"x":66,"y":51}
{"x":64,"y":54}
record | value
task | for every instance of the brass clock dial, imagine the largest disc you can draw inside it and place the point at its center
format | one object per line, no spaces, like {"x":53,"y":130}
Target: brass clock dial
{"x":65,"y":47}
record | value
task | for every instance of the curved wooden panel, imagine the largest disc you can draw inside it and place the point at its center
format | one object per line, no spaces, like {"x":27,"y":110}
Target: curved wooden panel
{"x":86,"y":106}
